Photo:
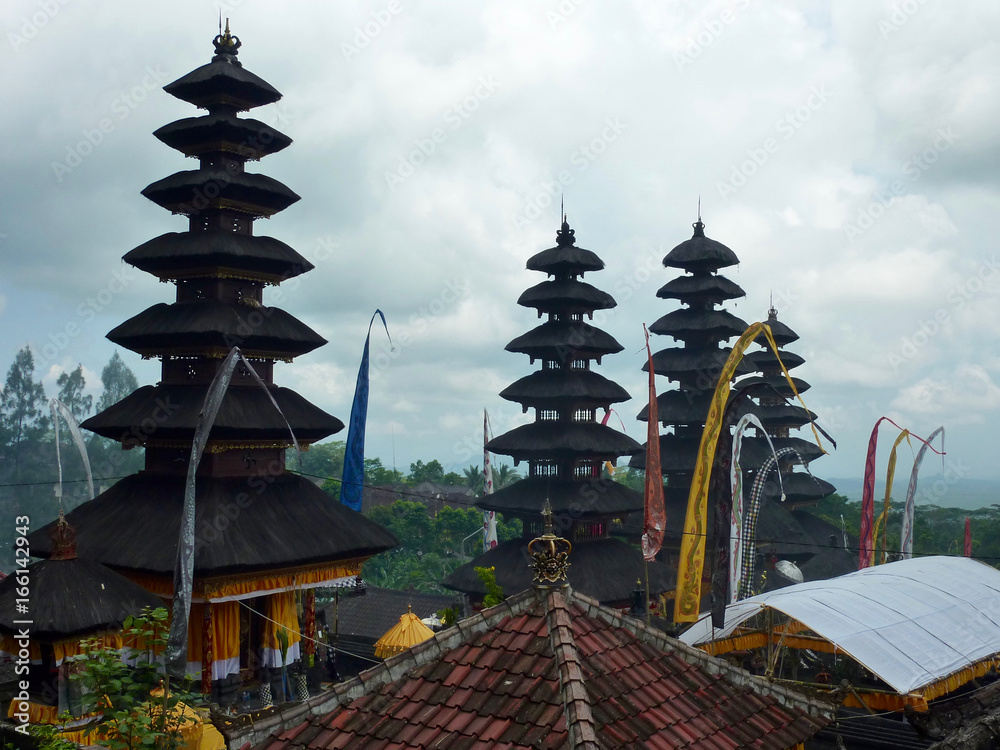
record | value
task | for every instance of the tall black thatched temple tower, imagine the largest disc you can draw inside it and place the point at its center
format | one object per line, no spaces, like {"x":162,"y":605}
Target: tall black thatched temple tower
{"x":262,"y":535}
{"x":566,"y":446}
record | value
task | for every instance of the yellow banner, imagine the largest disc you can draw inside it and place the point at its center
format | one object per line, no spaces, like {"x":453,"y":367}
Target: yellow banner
{"x":692,"y":558}
{"x":884,"y":518}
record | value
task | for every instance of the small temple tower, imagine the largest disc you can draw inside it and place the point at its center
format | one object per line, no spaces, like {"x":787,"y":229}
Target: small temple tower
{"x":264,"y":537}
{"x":694,"y":366}
{"x":566,"y":447}
{"x":780,"y":417}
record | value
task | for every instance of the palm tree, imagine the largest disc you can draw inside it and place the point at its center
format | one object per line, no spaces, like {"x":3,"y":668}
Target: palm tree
{"x":474,"y":479}
{"x":503,"y":476}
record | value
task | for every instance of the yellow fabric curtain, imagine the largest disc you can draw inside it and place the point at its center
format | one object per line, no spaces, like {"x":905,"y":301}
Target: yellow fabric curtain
{"x":280,"y":611}
{"x":226,"y":630}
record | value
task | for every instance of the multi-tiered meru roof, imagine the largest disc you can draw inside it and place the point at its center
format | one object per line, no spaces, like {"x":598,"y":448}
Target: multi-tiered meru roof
{"x":259,"y":528}
{"x":566,"y":446}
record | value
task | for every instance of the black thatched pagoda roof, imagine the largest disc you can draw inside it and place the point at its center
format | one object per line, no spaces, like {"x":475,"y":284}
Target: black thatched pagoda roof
{"x":223,"y":131}
{"x":764,"y":359}
{"x":280,"y":522}
{"x":211,"y":326}
{"x":677,"y":361}
{"x":564,"y":339}
{"x":598,"y":497}
{"x":565,"y":259}
{"x":605,"y":570}
{"x":566,"y":296}
{"x":182,"y":254}
{"x":803,"y":488}
{"x":193,"y":191}
{"x":682,"y":323}
{"x":73,"y":598}
{"x":679,"y":408}
{"x":547,"y":389}
{"x":679,"y":453}
{"x":783,"y":335}
{"x":702,"y":288}
{"x":781,"y":415}
{"x":561,"y":440}
{"x":246,"y":415}
{"x":778,"y":383}
{"x":224,"y":82}
{"x":756,"y":450}
{"x":700,"y":254}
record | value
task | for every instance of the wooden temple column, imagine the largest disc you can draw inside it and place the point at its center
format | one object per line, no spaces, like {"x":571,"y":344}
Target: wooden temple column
{"x":206,"y":649}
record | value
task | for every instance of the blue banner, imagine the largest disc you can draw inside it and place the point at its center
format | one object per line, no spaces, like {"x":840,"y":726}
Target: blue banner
{"x":352,"y":480}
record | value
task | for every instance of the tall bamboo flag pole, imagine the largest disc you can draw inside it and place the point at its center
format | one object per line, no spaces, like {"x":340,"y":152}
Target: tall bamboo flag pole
{"x":692,"y":560}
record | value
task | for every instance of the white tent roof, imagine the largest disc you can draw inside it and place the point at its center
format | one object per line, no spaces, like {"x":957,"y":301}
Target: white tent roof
{"x":911,"y":622}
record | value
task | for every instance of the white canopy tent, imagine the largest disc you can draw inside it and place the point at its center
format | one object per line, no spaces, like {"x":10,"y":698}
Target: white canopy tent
{"x":911,"y":623}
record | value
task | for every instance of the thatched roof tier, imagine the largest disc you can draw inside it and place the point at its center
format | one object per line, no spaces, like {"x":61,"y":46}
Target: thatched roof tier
{"x":682,"y":323}
{"x":757,"y":450}
{"x":241,"y":525}
{"x":676,"y":453}
{"x":777,"y":527}
{"x":225,"y":82}
{"x":764,"y":359}
{"x":178,"y":255}
{"x":565,"y":259}
{"x":561,"y":340}
{"x":777,"y":382}
{"x":701,"y":289}
{"x":782,"y":415}
{"x":562,"y":441}
{"x":783,"y":335}
{"x":550,"y":389}
{"x":700,"y":254}
{"x":209,"y":325}
{"x":584,"y":498}
{"x":193,"y":191}
{"x":223,"y":131}
{"x":566,"y":296}
{"x":73,"y":598}
{"x":706,"y":362}
{"x":605,"y":569}
{"x":679,"y":408}
{"x":802,"y":488}
{"x":169,"y":413}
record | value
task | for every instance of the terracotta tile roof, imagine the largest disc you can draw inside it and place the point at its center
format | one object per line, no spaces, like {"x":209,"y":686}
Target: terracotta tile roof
{"x":556,"y":670}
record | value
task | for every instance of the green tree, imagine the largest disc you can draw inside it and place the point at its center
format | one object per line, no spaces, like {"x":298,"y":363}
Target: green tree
{"x":71,"y":386}
{"x":118,"y":382}
{"x":23,"y":421}
{"x":429,"y":472}
{"x":376,"y":473}
{"x":474,"y":479}
{"x":322,"y":460}
{"x":504,"y":476}
{"x":133,"y":718}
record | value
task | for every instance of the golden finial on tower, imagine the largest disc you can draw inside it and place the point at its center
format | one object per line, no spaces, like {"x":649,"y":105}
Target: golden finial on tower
{"x":549,"y":554}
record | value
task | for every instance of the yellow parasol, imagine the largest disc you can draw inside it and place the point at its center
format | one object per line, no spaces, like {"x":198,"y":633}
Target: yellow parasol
{"x":409,"y":631}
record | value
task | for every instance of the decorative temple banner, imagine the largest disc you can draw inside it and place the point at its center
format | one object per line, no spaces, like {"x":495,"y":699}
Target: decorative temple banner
{"x":177,"y":641}
{"x":968,"y":537}
{"x":866,"y":546}
{"x":654,"y":521}
{"x":55,"y":405}
{"x":883,"y":520}
{"x":353,"y":477}
{"x":489,"y":516}
{"x":736,"y":513}
{"x":757,"y":491}
{"x":692,"y":557}
{"x":906,"y":536}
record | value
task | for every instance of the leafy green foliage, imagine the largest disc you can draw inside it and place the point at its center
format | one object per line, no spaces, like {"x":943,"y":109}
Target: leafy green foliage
{"x":494,"y":594}
{"x":431,"y":547}
{"x":133,"y":717}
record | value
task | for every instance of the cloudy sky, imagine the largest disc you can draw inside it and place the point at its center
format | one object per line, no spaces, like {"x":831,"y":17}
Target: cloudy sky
{"x":846,"y":151}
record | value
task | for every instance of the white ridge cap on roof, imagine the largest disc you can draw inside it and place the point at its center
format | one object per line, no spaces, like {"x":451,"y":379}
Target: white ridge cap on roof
{"x":911,"y":622}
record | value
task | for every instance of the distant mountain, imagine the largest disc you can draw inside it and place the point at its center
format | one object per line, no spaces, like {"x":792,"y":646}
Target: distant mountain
{"x":967,"y":494}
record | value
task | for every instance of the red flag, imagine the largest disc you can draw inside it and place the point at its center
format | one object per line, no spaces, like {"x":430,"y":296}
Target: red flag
{"x":968,"y":537}
{"x":655,"y":520}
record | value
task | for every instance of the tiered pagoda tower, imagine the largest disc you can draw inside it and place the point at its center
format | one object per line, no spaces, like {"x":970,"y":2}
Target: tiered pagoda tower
{"x":701,"y":329}
{"x":263,"y":535}
{"x":780,"y":417}
{"x":566,"y":447}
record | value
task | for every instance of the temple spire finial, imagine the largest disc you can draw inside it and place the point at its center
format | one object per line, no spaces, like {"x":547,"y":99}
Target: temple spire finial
{"x":549,"y":555}
{"x":227,"y":45}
